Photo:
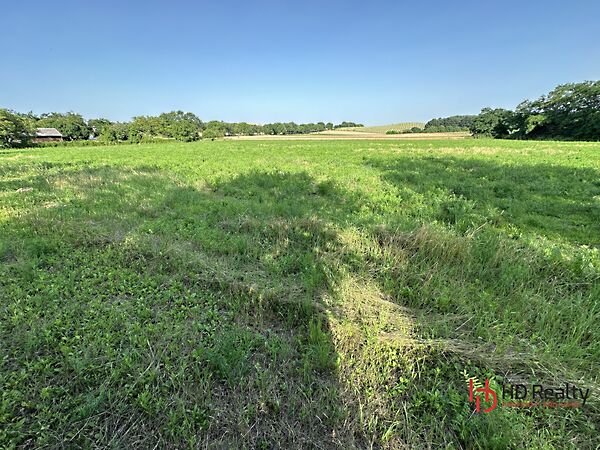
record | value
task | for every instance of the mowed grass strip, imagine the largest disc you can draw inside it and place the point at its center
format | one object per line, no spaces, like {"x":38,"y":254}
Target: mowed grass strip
{"x":277,"y":294}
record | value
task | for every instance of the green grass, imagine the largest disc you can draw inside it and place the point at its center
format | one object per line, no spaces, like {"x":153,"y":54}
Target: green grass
{"x":284,"y":294}
{"x":403,"y":126}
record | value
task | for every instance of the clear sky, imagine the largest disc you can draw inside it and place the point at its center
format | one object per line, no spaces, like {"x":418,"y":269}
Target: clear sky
{"x":374,"y":62}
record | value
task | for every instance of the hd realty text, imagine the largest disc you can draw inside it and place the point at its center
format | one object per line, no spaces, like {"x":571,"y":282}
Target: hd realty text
{"x":540,"y":392}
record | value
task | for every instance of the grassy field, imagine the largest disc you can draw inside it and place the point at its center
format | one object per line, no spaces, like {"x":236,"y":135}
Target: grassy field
{"x":297,"y":294}
{"x":403,"y":126}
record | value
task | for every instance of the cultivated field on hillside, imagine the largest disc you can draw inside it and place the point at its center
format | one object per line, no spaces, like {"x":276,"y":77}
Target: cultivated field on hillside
{"x":278,"y":294}
{"x":381,"y":129}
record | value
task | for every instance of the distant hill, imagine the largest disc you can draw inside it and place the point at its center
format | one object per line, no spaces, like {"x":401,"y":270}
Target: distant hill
{"x":383,"y":128}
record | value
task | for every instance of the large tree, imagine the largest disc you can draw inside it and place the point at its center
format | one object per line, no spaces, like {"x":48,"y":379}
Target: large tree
{"x":492,"y":123}
{"x":179,"y":125}
{"x":569,"y":111}
{"x":452,"y":123}
{"x":114,"y":133}
{"x":98,"y":125}
{"x":15,"y":129}
{"x":71,"y":125}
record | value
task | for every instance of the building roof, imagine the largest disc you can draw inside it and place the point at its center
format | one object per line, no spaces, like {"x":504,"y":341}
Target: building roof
{"x":47,"y":132}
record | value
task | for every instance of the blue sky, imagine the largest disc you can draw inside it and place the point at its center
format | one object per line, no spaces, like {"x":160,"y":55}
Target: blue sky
{"x":258,"y":61}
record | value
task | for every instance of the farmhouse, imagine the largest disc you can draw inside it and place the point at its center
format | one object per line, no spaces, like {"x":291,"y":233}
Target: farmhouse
{"x":47,"y":134}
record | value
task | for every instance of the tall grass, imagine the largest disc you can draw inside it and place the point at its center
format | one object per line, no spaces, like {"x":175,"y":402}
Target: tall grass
{"x":280,"y":294}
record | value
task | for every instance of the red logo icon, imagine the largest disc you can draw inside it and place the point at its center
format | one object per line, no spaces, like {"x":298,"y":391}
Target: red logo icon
{"x":490,"y":396}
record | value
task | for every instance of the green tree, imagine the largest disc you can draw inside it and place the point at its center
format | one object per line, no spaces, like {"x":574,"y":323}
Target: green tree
{"x":244,"y":129}
{"x":71,"y":125}
{"x":143,"y":126}
{"x":116,"y":132}
{"x":569,"y":111}
{"x":219,"y":127}
{"x":348,"y":125}
{"x":15,"y":130}
{"x":179,"y":125}
{"x":448,"y":124}
{"x":212,"y":133}
{"x":492,"y":123}
{"x":97,"y":125}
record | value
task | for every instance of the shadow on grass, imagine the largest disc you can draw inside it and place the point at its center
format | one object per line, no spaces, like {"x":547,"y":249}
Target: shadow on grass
{"x":140,"y":311}
{"x":548,"y":200}
{"x":474,"y":261}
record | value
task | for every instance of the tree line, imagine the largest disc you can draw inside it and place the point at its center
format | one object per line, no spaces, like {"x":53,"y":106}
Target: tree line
{"x":18,"y":129}
{"x":215,"y":128}
{"x":449,"y":124}
{"x":568,"y":112}
{"x":441,"y":125}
